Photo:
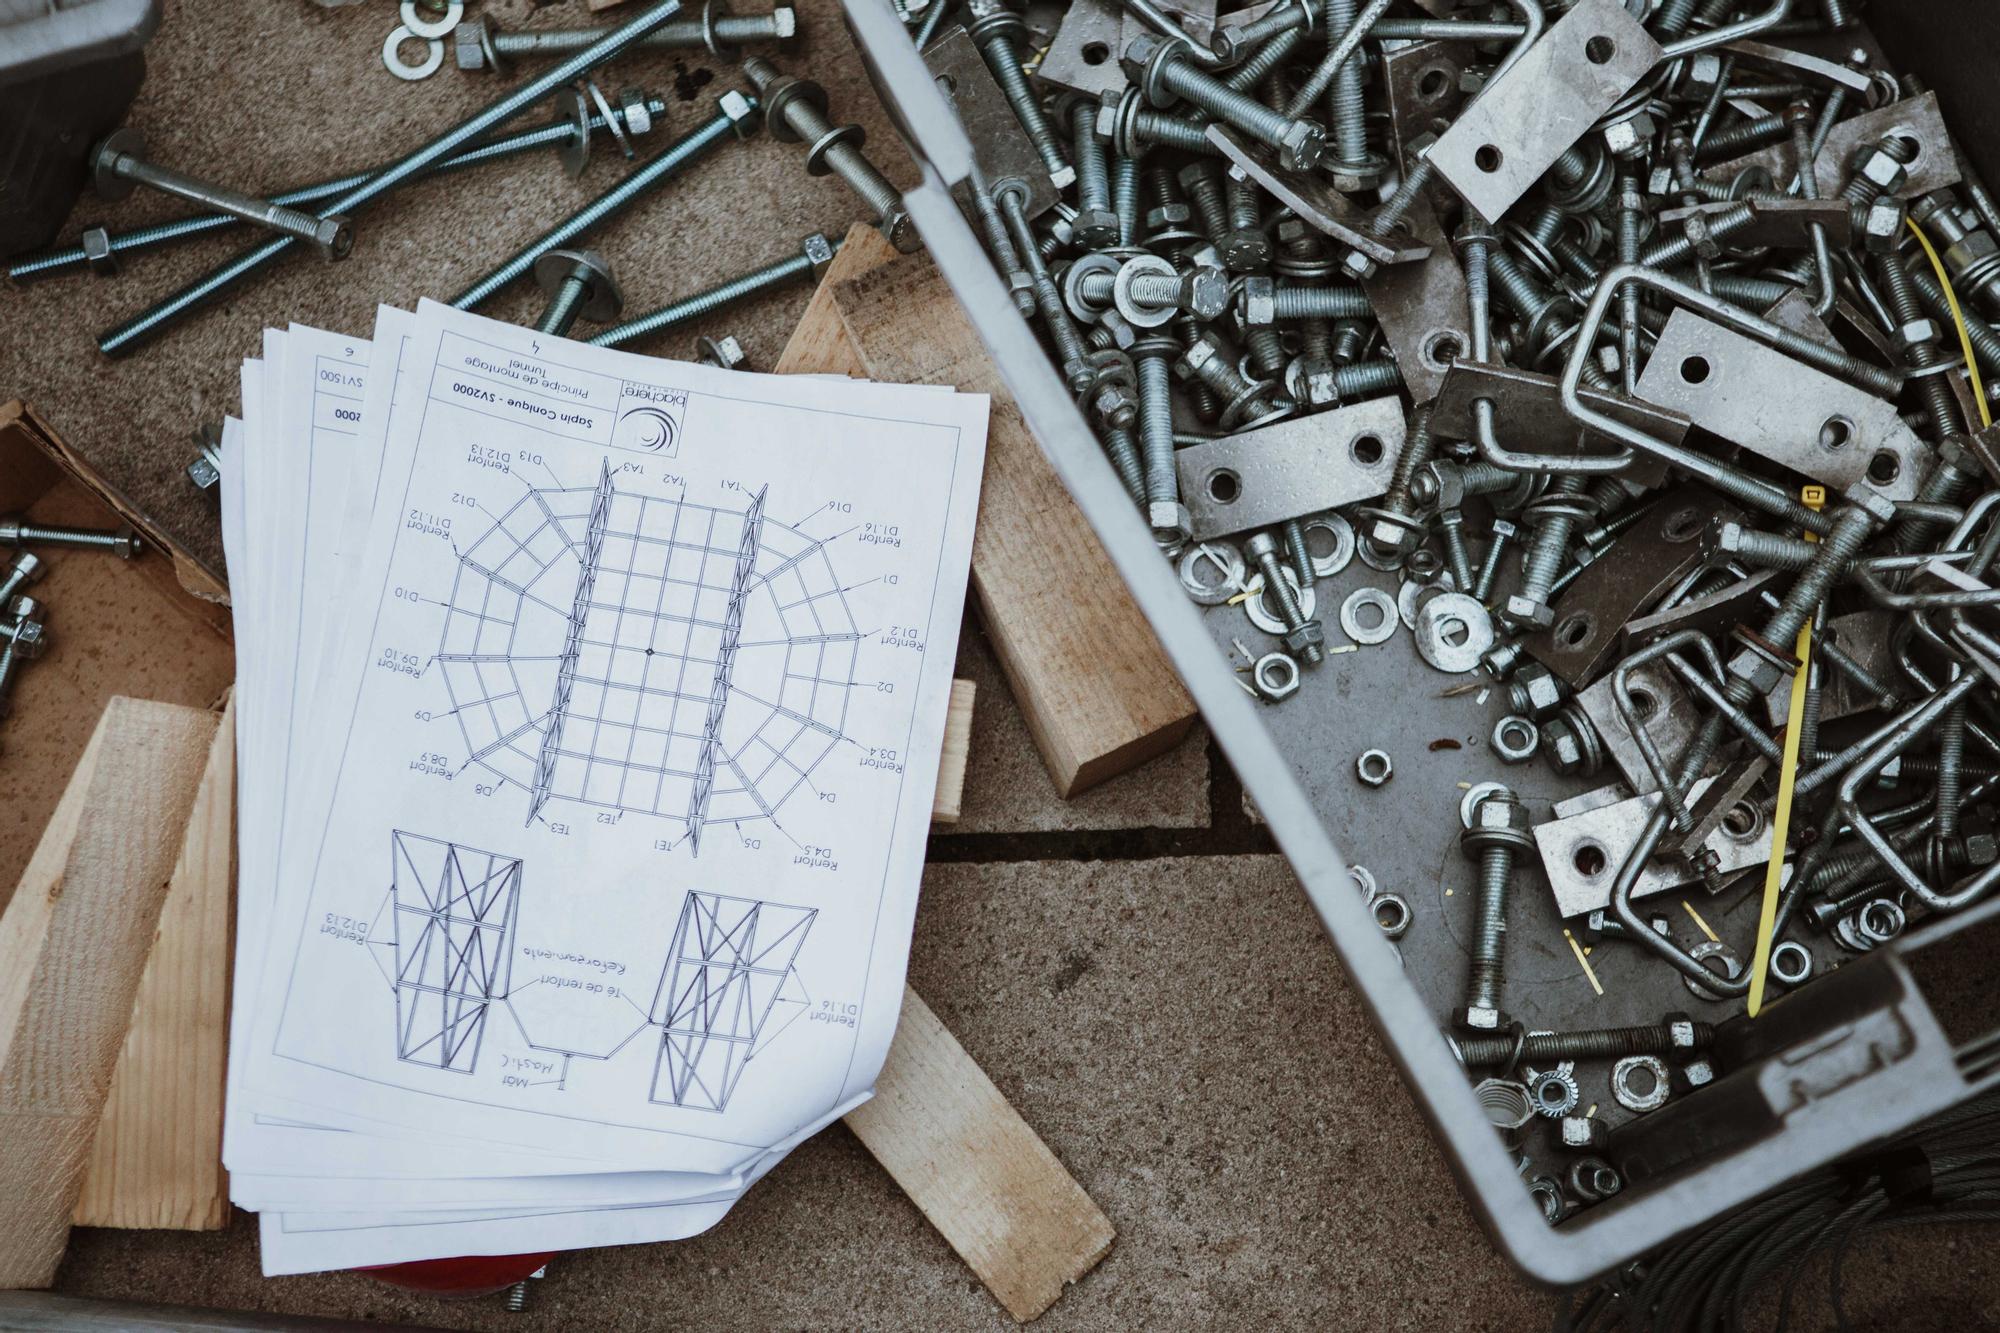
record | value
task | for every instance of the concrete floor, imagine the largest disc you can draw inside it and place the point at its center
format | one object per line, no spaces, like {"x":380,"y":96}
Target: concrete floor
{"x":1135,"y":969}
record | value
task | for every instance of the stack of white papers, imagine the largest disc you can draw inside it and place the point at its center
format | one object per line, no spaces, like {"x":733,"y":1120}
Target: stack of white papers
{"x":589,"y":711}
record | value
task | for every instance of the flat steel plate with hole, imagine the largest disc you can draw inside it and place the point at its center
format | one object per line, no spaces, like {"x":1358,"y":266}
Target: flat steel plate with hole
{"x":1915,"y":120}
{"x":1578,"y":852}
{"x":1002,"y":146}
{"x":1782,"y":409}
{"x":1292,"y":469}
{"x":1504,"y":142}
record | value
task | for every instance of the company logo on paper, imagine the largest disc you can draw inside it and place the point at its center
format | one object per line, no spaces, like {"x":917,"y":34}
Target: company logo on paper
{"x":652,"y":429}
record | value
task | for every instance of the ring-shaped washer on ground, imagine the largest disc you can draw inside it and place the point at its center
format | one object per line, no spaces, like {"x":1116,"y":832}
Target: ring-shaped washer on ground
{"x":453,"y":13}
{"x":1350,"y":620}
{"x":393,"y":60}
{"x":1260,"y":614}
{"x":1453,"y":608}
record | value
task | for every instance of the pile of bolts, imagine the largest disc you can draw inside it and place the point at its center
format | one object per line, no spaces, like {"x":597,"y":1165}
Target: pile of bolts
{"x":1636,"y":338}
{"x":24,"y":635}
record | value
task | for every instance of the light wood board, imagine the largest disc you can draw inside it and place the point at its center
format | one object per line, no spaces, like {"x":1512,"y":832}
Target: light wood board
{"x":1093,"y":683}
{"x":949,"y":798}
{"x":66,"y":1036}
{"x":937,"y":1124}
{"x":157,"y":1161}
{"x":978,"y":1171}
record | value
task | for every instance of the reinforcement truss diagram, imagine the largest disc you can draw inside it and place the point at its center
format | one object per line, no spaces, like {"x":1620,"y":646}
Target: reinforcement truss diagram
{"x":454,"y":925}
{"x":648,"y":654}
{"x":729,"y":986}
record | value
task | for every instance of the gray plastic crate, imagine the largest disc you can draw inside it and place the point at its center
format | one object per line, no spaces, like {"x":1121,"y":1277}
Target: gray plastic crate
{"x":1866,"y":1058}
{"x":68,"y":71}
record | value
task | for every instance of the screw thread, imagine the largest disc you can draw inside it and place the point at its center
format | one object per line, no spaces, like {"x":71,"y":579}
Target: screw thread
{"x":562,"y":309}
{"x":1267,"y":351}
{"x":1909,"y":308}
{"x":1676,"y":250}
{"x":1550,"y":544}
{"x":1489,"y":572}
{"x":1093,"y":183}
{"x":1584,"y":1044}
{"x":1156,"y":430}
{"x":1204,"y":191}
{"x":1451,"y":527}
{"x":1123,"y":449}
{"x":1754,"y":133}
{"x":691,"y":308}
{"x":1418,"y":446}
{"x":1851,"y":529}
{"x":1219,"y":99}
{"x":1244,"y":213}
{"x":650,"y":176}
{"x":1985,"y":342}
{"x":1300,"y":553}
{"x":1287,"y":598}
{"x":1165,"y":131}
{"x":1415,"y":181}
{"x":1950,"y":769}
{"x":1289,"y":302}
{"x":1265,"y":58}
{"x":1773,"y":550}
{"x":1523,"y":295}
{"x":1125,"y":199}
{"x":1674,"y":17}
{"x":1363,"y":379}
{"x":76,"y":539}
{"x":676,"y":35}
{"x":1489,"y":931}
{"x":997,"y":45}
{"x":1344,"y":104}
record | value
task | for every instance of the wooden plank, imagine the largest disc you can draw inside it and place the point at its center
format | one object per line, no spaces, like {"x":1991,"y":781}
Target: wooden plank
{"x":157,"y":1160}
{"x":1093,"y":683}
{"x":977,"y":1170}
{"x":820,"y":345}
{"x":948,"y":800}
{"x":71,"y":1026}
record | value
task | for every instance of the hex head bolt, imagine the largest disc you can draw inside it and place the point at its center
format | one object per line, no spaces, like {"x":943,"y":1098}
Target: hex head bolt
{"x":1498,"y":831}
{"x":815,"y":253}
{"x":1012,"y":198}
{"x":724,"y":353}
{"x":796,"y":111}
{"x":205,"y":472}
{"x":1556,"y":518}
{"x":1676,"y":1034}
{"x":1162,"y":69}
{"x":579,"y":285}
{"x":1354,"y":167}
{"x":482,"y":44}
{"x":25,"y":569}
{"x":1096,"y":225}
{"x":997,"y":32}
{"x":736,"y":115}
{"x":1156,"y":293}
{"x":123,"y":543}
{"x":1394,"y":529}
{"x":1153,"y":358}
{"x":118,"y":165}
{"x":157,"y":318}
{"x":100,"y":250}
{"x":1304,"y":636}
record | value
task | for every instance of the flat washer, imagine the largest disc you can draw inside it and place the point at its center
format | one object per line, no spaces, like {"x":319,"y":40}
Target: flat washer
{"x":1350,"y":619}
{"x":433,"y":61}
{"x":574,"y":152}
{"x":1621,"y":1083}
{"x":611,"y":120}
{"x":1791,"y":962}
{"x":1335,"y":524}
{"x":1732,"y":966}
{"x":453,"y":13}
{"x":1449,"y":609}
{"x":1260,"y":614}
{"x":1211,"y":572}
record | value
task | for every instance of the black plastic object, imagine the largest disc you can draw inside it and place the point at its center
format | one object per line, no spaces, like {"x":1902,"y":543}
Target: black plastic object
{"x":68,"y":71}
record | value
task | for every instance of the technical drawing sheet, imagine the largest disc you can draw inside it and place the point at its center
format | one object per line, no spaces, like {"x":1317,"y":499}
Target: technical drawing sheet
{"x":642,"y":671}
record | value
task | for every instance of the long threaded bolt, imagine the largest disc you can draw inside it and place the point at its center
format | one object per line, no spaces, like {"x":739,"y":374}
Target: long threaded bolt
{"x":1203,"y":185}
{"x":1451,"y":528}
{"x":997,"y":35}
{"x":1268,"y":56}
{"x":1550,"y":544}
{"x":1154,"y":291}
{"x":1012,"y":198}
{"x":1297,"y":550}
{"x":1096,"y":225}
{"x":1154,"y":362}
{"x":1300,"y":143}
{"x":1345,"y":110}
{"x":9,"y":663}
{"x":1535,"y":305}
{"x":815,"y":253}
{"x":1668,"y":1038}
{"x":484,"y":44}
{"x":1750,"y":135}
{"x":119,"y":163}
{"x":1394,"y":526}
{"x":735,"y":117}
{"x":1263,"y":549}
{"x":110,"y":247}
{"x":796,"y":112}
{"x":579,"y":285}
{"x":1908,"y":308}
{"x":1498,"y":830}
{"x":1860,"y":191}
{"x":1504,"y":533}
{"x":1123,"y":449}
{"x":124,"y":543}
{"x":1985,"y":341}
{"x":1366,"y":379}
{"x":1851,"y":528}
{"x":1157,"y":129}
{"x":1125,"y":199}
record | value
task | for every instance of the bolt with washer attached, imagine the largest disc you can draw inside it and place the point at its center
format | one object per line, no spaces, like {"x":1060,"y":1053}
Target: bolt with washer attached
{"x":1304,"y":635}
{"x":579,"y":285}
{"x":796,"y":111}
{"x":482,"y":44}
{"x":123,"y":543}
{"x":1498,"y":831}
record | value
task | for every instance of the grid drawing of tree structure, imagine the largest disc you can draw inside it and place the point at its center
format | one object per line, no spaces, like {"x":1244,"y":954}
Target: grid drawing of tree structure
{"x":455,"y":911}
{"x":729,"y":987}
{"x":648,"y":654}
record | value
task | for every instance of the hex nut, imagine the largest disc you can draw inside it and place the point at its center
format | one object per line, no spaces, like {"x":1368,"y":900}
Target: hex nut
{"x":1257,"y":304}
{"x":1094,"y":227}
{"x":1530,"y":615}
{"x":726,"y":352}
{"x":1566,"y":750}
{"x":1479,"y":1018}
{"x":1918,"y":333}
{"x":1981,"y":849}
{"x":1882,"y":226}
{"x":1168,"y":216}
{"x":1275,"y":675}
{"x":1680,"y":1031}
{"x":1170,"y":517}
{"x":1880,"y":169}
{"x":1583,"y":1133}
{"x":1115,"y":405}
{"x":30,"y":637}
{"x":1374,"y":767}
{"x":1312,"y":380}
{"x":1630,"y":137}
{"x":742,"y":116}
{"x":1697,"y":1073}
{"x":632,"y":109}
{"x":97,"y":252}
{"x":1198,"y":354}
{"x":1535,"y":690}
{"x":1303,"y":638}
{"x":1863,"y":496}
{"x":1205,"y":293}
{"x":1358,"y":266}
{"x":1705,"y":70}
{"x":1515,"y":740}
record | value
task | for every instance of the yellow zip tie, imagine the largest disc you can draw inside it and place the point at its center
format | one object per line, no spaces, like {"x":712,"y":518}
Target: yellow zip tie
{"x":1583,"y":962}
{"x":1958,"y":318}
{"x":1705,"y":927}
{"x":1813,"y":497}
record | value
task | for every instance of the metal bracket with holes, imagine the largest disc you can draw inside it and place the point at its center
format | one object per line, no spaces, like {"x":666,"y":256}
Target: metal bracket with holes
{"x":1298,"y":467}
{"x":1001,"y":146}
{"x":1513,"y":133}
{"x":1781,"y":409}
{"x":1580,"y":853}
